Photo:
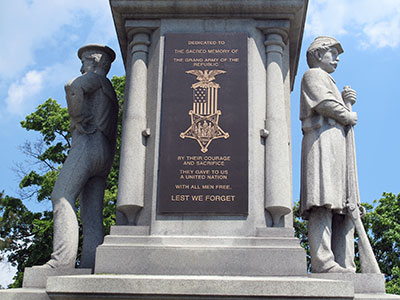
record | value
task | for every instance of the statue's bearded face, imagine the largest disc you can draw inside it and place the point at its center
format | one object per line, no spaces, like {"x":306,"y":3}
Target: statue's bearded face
{"x":328,"y":60}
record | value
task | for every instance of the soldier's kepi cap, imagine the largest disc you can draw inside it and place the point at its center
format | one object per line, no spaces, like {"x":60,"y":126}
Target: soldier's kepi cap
{"x":328,"y":41}
{"x":97,"y":47}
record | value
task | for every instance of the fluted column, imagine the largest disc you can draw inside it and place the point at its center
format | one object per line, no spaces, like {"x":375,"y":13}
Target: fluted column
{"x":134,"y":129}
{"x":277,"y":155}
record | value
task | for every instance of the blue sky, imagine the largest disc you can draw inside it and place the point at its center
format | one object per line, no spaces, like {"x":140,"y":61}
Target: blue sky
{"x":38,"y":56}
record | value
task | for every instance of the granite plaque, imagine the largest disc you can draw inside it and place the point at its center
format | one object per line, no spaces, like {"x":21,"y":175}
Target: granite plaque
{"x":204,"y":125}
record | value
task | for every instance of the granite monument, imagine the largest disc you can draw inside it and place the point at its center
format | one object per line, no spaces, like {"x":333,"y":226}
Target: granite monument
{"x":204,"y":208}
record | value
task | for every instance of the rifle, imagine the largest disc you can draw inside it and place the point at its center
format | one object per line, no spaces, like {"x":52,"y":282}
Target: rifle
{"x":367,"y":257}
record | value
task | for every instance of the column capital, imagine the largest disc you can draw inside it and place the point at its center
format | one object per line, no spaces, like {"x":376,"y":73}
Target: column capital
{"x":280,"y":27}
{"x":139,"y":40}
{"x":280,"y":31}
{"x":275,"y":39}
{"x":276,"y":34}
{"x":132,"y":32}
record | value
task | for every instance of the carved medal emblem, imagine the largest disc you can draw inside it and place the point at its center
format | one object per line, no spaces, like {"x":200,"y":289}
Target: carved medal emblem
{"x":205,"y":114}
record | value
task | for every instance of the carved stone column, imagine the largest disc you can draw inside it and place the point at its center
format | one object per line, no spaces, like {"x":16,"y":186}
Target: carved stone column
{"x":133,"y":143}
{"x":278,"y":200}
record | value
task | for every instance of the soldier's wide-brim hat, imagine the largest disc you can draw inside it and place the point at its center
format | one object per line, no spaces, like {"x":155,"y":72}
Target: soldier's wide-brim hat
{"x":325,"y":41}
{"x":97,"y":47}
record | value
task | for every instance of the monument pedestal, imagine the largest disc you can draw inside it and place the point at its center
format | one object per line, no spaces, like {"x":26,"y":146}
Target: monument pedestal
{"x":34,"y":283}
{"x":278,"y":254}
{"x":364,"y":283}
{"x":366,"y":286}
{"x":196,"y":287}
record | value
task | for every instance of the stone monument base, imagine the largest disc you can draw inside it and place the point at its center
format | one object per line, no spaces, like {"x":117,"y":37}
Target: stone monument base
{"x":36,"y":277}
{"x":272,"y":252}
{"x":24,"y":294}
{"x":195,"y":287}
{"x":350,"y":286}
{"x":364,"y":283}
{"x":366,"y":286}
{"x":77,"y":284}
{"x":135,"y":287}
{"x":34,"y":284}
{"x":131,"y":264}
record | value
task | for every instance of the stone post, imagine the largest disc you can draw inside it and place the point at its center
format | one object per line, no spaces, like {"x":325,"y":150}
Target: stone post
{"x":133,"y":143}
{"x":277,"y":153}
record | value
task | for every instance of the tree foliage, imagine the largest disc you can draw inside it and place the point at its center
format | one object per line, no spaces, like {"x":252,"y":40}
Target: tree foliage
{"x":383,"y":224}
{"x":47,"y":153}
{"x":26,"y":237}
{"x":300,"y":231}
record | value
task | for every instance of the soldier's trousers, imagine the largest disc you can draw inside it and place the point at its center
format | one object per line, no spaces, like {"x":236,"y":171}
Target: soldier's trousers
{"x":331,"y":239}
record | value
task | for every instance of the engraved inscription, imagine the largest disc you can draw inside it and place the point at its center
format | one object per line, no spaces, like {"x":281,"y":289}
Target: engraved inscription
{"x":204,"y":131}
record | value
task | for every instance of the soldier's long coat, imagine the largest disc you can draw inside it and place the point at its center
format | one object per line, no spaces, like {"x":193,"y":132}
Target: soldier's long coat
{"x":323,"y":157}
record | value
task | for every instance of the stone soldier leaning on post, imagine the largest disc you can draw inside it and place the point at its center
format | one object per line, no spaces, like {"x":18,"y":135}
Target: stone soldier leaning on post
{"x":93,"y":108}
{"x":324,"y":185}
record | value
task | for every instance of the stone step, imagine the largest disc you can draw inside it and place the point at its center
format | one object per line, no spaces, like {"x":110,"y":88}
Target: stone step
{"x":197,"y":241}
{"x":195,"y":287}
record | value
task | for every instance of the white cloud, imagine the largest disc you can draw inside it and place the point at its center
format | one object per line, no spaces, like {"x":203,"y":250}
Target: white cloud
{"x":41,"y":40}
{"x":384,"y":33}
{"x":29,"y":26}
{"x":374,"y":23}
{"x":23,"y":89}
{"x":36,"y":86}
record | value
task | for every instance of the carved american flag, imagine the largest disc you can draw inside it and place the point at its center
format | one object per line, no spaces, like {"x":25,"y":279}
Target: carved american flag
{"x":205,"y":100}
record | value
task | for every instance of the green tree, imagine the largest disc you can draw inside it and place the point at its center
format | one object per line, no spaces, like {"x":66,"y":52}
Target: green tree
{"x":383,"y":225}
{"x":26,"y":237}
{"x":300,"y":231}
{"x":48,"y":153}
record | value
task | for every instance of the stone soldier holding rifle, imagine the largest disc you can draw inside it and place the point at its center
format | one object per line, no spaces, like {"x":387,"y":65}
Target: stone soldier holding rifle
{"x":324,"y":160}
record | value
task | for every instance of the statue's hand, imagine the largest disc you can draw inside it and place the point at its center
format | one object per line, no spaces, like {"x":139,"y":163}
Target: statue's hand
{"x":363,"y":211}
{"x":352,"y":119}
{"x":349,"y":95}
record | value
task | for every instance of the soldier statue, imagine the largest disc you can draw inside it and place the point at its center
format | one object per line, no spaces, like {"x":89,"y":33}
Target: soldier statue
{"x":324,"y":160}
{"x":93,"y":108}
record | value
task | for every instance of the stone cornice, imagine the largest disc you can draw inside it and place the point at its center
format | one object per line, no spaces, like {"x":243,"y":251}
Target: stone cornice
{"x":151,"y":11}
{"x":211,"y":8}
